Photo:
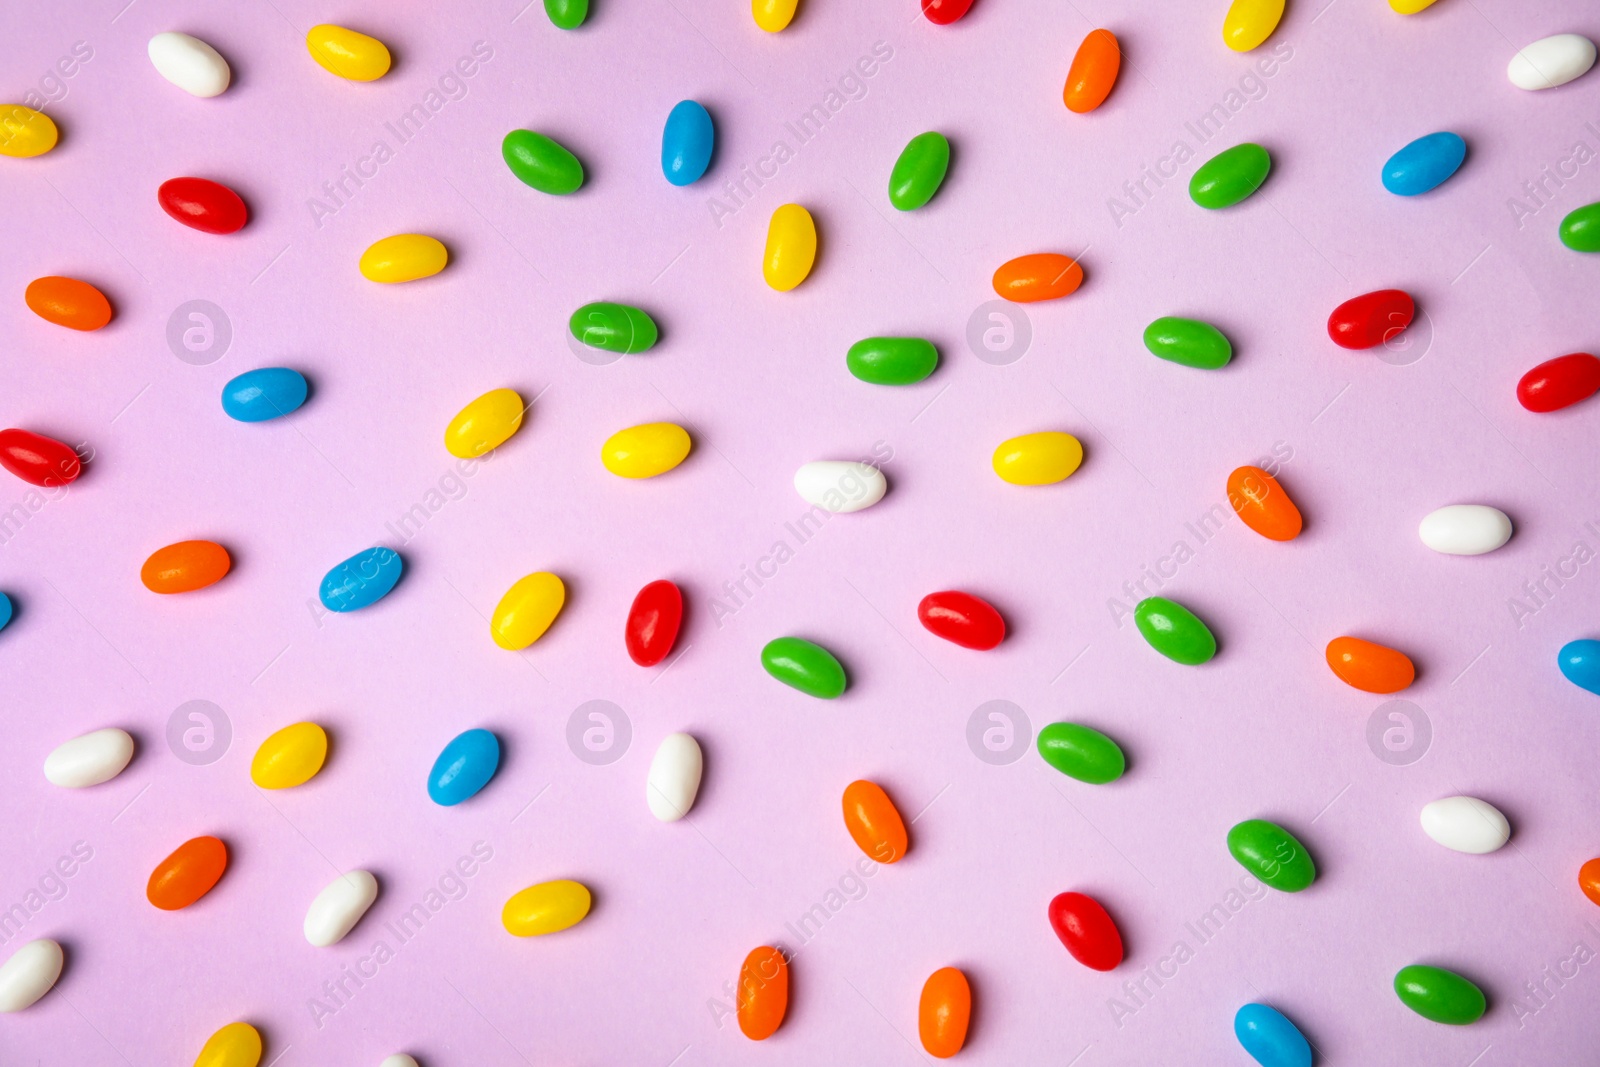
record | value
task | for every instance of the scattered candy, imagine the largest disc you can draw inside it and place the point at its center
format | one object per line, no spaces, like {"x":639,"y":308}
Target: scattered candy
{"x":686,"y":142}
{"x":1465,"y":529}
{"x":840,"y":486}
{"x":613,"y":327}
{"x":653,"y":622}
{"x":337,"y":909}
{"x":807,"y":667}
{"x":362,"y":580}
{"x":349,"y":54}
{"x":1250,"y":22}
{"x":1233,"y":174}
{"x":527,"y":610}
{"x":264,"y":394}
{"x":1081,"y":752}
{"x":1589,"y":879}
{"x":1466,"y":824}
{"x":874,"y":822}
{"x":37,"y":459}
{"x":567,"y":14}
{"x":29,"y":974}
{"x":892,"y":360}
{"x":1551,"y":61}
{"x":919,"y":171}
{"x":1188,"y":341}
{"x":185,"y":566}
{"x":1409,"y":7}
{"x":1263,"y":505}
{"x":1371,"y":319}
{"x":1580,"y":663}
{"x":1424,"y":164}
{"x":1174,"y":631}
{"x":773,"y":15}
{"x":1087,"y":929}
{"x":7,"y":609}
{"x":791,"y":246}
{"x":1580,"y":229}
{"x":763,"y":993}
{"x":546,"y":908}
{"x":188,"y":874}
{"x":1093,"y":72}
{"x":401,"y":1059}
{"x":1440,"y":995}
{"x":289,"y":757}
{"x":674,"y":778}
{"x":68,"y":302}
{"x":235,"y":1045}
{"x":25,"y":133}
{"x":962,"y":619}
{"x":190,"y":64}
{"x":1270,"y":1038}
{"x":405,"y":257}
{"x":1272,"y":854}
{"x":464,"y":767}
{"x":1038,"y":276}
{"x":202,"y":204}
{"x":944,"y":1012}
{"x":1560,"y":382}
{"x":91,"y":759}
{"x":645,"y":451}
{"x":1370,"y":667}
{"x":1042,"y":458}
{"x":485,"y":424}
{"x":540,"y":162}
{"x":944,"y":12}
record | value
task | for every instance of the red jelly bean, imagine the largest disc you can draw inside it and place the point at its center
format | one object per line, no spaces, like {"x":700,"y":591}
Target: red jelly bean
{"x":1089,"y":933}
{"x":653,"y":623}
{"x":38,"y":459}
{"x":1560,"y":382}
{"x":1371,"y":319}
{"x":205,"y":205}
{"x":962,"y":618}
{"x":944,"y":12}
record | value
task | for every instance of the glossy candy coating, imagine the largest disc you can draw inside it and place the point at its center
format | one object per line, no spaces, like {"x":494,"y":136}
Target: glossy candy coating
{"x":805,"y":666}
{"x":1589,"y":879}
{"x":188,"y":874}
{"x":874,"y":822}
{"x":1371,"y":319}
{"x":185,"y":566}
{"x":944,"y":1012}
{"x":674,"y":778}
{"x":962,"y":619}
{"x":1580,"y":663}
{"x":202,"y":204}
{"x":37,"y":459}
{"x":7,"y":610}
{"x":68,"y":302}
{"x":1272,"y":854}
{"x":1440,"y":995}
{"x":763,"y":993}
{"x":1263,"y":505}
{"x":1580,"y":229}
{"x":1424,"y":164}
{"x":1250,"y":22}
{"x":1370,"y":667}
{"x":362,"y":580}
{"x":1087,"y":929}
{"x":484,"y":424}
{"x":264,"y":394}
{"x":1560,"y":382}
{"x":189,"y":63}
{"x":1465,"y":529}
{"x":526,"y":610}
{"x":1081,"y":752}
{"x":335,"y":911}
{"x":1270,"y":1038}
{"x":645,"y":451}
{"x":29,"y":973}
{"x":613,"y":327}
{"x":405,"y":257}
{"x":1093,"y":72}
{"x":463,"y":767}
{"x":1465,"y":824}
{"x":1188,"y":341}
{"x":1038,"y":276}
{"x":546,"y":908}
{"x":566,"y":14}
{"x":919,"y":171}
{"x":541,"y":163}
{"x":687,"y":142}
{"x":235,"y":1045}
{"x":653,"y":622}
{"x":791,"y":247}
{"x":1551,"y":61}
{"x":25,"y":133}
{"x":1042,"y":458}
{"x":773,"y":15}
{"x":840,"y":486}
{"x":1410,"y":7}
{"x":96,"y":757}
{"x":350,"y":55}
{"x":289,"y":757}
{"x":944,"y":12}
{"x":892,"y":360}
{"x":1174,"y":631}
{"x":1231,"y":175}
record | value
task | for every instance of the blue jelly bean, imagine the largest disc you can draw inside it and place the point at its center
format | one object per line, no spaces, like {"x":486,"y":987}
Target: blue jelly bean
{"x":464,"y":767}
{"x":1270,"y":1038}
{"x":1424,"y":163}
{"x":5,"y":611}
{"x":686,"y":143}
{"x":363,"y":579}
{"x":264,"y":393}
{"x":1580,"y":662}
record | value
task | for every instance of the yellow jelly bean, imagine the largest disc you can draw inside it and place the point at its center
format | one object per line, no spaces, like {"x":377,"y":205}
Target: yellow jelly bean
{"x":485,"y":424}
{"x":405,"y":257}
{"x":1249,"y":22}
{"x":791,"y":247}
{"x":1038,"y":458}
{"x":645,"y":451}
{"x":773,"y":15}
{"x":1409,"y":7}
{"x":235,"y":1045}
{"x":290,"y":757}
{"x":527,"y":610}
{"x":546,"y":908}
{"x":347,"y":53}
{"x":24,"y":132}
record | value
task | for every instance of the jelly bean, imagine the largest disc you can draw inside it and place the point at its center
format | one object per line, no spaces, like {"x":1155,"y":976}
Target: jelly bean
{"x":1188,"y":341}
{"x":773,"y":15}
{"x":1589,"y":879}
{"x":1231,"y":175}
{"x":840,"y":486}
{"x":1081,"y":752}
{"x":674,"y":778}
{"x":1409,"y":7}
{"x":190,"y":64}
{"x":1465,"y":529}
{"x":1042,"y":458}
{"x":919,"y":171}
{"x":1440,"y":995}
{"x":1371,"y":319}
{"x":188,"y":874}
{"x":6,"y":611}
{"x":546,"y":908}
{"x":540,"y":162}
{"x":1551,"y":61}
{"x":874,"y":822}
{"x":1250,"y":22}
{"x":1272,"y":854}
{"x":1262,"y":504}
{"x":527,"y":610}
{"x":37,"y":459}
{"x":763,"y":993}
{"x":400,"y":1059}
{"x":29,"y":974}
{"x":687,"y":141}
{"x":349,"y":54}
{"x":892,"y":360}
{"x":791,"y":247}
{"x":185,"y":566}
{"x":1038,"y":276}
{"x":1174,"y":631}
{"x":1093,"y":72}
{"x":1370,"y":667}
{"x":362,"y":580}
{"x":464,"y":767}
{"x":653,"y":622}
{"x":291,"y":756}
{"x":1424,"y":164}
{"x":962,"y":619}
{"x":1580,"y":663}
{"x":264,"y":393}
{"x":25,"y":133}
{"x":90,"y":759}
{"x":613,"y":327}
{"x":405,"y":257}
{"x":202,"y":204}
{"x":1087,"y":929}
{"x":68,"y":302}
{"x":944,"y":12}
{"x":1466,"y":824}
{"x":807,"y":667}
{"x":1560,"y":382}
{"x":944,"y":1012}
{"x":645,"y":451}
{"x":1580,"y":229}
{"x":567,"y":14}
{"x":336,"y":910}
{"x":1270,"y":1038}
{"x":484,"y":424}
{"x":235,"y":1045}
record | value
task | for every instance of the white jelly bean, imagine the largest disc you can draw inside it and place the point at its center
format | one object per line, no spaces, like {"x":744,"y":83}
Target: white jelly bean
{"x":190,"y":64}
{"x":339,"y":907}
{"x":1550,"y":62}
{"x":674,"y":777}
{"x":400,"y":1060}
{"x":29,"y":974}
{"x":1466,"y":824}
{"x":1465,"y":529}
{"x":840,"y":486}
{"x":89,"y":760}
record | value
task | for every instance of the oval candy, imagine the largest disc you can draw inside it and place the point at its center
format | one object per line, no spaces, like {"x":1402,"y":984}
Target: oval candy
{"x":188,"y":874}
{"x":1424,"y":164}
{"x":645,"y":451}
{"x":1560,"y":382}
{"x":944,"y":12}
{"x":335,"y":911}
{"x":7,"y":609}
{"x":763,"y":993}
{"x":613,"y":327}
{"x":1261,"y":503}
{"x":892,"y":360}
{"x":944,"y":1012}
{"x":962,"y":619}
{"x":190,"y":64}
{"x":1409,"y":7}
{"x":1551,"y":61}
{"x":566,"y":14}
{"x":674,"y":778}
{"x":25,"y":133}
{"x":1081,"y":752}
{"x":1589,"y":879}
{"x":362,"y":580}
{"x":1038,"y":276}
{"x":687,"y":141}
{"x":526,"y":610}
{"x":653,"y":623}
{"x":919,"y":171}
{"x":289,"y":757}
{"x":185,"y":566}
{"x":1231,"y":175}
{"x":1580,"y":229}
{"x":401,"y":1059}
{"x":68,"y":302}
{"x":1580,"y":663}
{"x":1174,"y":631}
{"x":235,"y":1045}
{"x":264,"y":394}
{"x":1087,"y":930}
{"x":91,"y":759}
{"x":1042,"y":458}
{"x":1272,"y":854}
{"x":805,"y":666}
{"x":773,"y":15}
{"x":37,"y":459}
{"x":840,"y":486}
{"x":1270,"y":1038}
{"x":484,"y":424}
{"x":348,"y":54}
{"x":1440,"y":995}
{"x":1371,"y":319}
{"x":1370,"y":667}
{"x":1250,"y":22}
{"x":541,"y":163}
{"x":1188,"y":341}
{"x":874,"y":822}
{"x":791,"y":247}
{"x":29,"y":974}
{"x":1466,"y":824}
{"x":464,"y":767}
{"x":546,"y":908}
{"x":1093,"y":72}
{"x":202,"y":204}
{"x":1465,"y":529}
{"x":405,"y":257}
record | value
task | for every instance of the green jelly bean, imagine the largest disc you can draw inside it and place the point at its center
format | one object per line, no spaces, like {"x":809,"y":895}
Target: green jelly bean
{"x":1174,"y":631}
{"x":808,"y":667}
{"x":1188,"y":341}
{"x":1082,"y":753}
{"x":1437,"y":994}
{"x":919,"y":171}
{"x":1272,"y":854}
{"x":892,"y":360}
{"x":613,"y":327}
{"x":1580,"y":230}
{"x":567,"y":14}
{"x":1230,"y":176}
{"x":542,"y":163}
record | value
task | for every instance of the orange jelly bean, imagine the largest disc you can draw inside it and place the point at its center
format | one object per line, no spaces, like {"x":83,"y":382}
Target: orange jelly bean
{"x":1370,"y":667}
{"x":874,"y":822}
{"x":945,"y":1010}
{"x":1093,"y":73}
{"x":763,"y":993}
{"x":1040,"y":276}
{"x":68,"y":302}
{"x":188,"y":874}
{"x":185,"y":567}
{"x":1589,"y":879}
{"x":1263,"y":505}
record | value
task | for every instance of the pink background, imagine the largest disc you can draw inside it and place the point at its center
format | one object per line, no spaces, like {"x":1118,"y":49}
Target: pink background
{"x":759,"y":380}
